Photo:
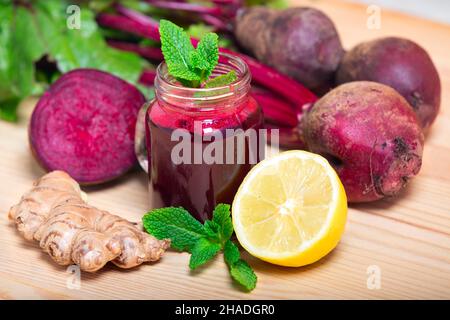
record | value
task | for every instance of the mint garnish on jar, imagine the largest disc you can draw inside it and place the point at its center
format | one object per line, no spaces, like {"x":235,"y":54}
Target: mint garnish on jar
{"x":192,"y":67}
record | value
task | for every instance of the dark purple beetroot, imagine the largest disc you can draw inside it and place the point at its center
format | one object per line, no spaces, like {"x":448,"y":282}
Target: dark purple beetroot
{"x":400,"y":64}
{"x":85,"y":124}
{"x":300,"y":42}
{"x":370,"y":135}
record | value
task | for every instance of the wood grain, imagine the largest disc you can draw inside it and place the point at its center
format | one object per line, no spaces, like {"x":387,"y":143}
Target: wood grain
{"x":408,"y":238}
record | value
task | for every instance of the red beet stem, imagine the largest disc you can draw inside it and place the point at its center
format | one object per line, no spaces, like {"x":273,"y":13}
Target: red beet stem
{"x":146,"y":52}
{"x":147,"y":77}
{"x":129,"y":25}
{"x":186,"y":6}
{"x":276,"y":111}
{"x":227,"y":2}
{"x":289,"y":138}
{"x":137,"y":16}
{"x":216,"y":22}
{"x":137,"y":23}
{"x":268,"y":77}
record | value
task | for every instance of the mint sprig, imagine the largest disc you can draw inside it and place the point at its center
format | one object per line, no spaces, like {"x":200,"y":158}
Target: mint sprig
{"x":240,"y":270}
{"x":204,"y":250}
{"x":175,"y":224}
{"x":191,"y":66}
{"x":204,"y":242}
{"x":222,"y":217}
{"x":207,"y":55}
{"x":231,"y":253}
{"x":221,"y":80}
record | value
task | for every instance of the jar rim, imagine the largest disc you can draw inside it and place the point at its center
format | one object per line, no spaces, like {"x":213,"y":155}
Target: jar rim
{"x":164,"y":82}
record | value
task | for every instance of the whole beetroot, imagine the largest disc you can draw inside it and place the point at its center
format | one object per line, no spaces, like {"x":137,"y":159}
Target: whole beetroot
{"x":400,"y":64}
{"x":85,"y":124}
{"x":370,"y":135}
{"x":300,"y":42}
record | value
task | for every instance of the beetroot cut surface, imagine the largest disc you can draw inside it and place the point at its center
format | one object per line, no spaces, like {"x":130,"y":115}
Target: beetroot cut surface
{"x":85,"y":124}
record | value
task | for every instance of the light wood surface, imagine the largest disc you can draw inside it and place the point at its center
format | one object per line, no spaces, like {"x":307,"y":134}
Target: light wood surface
{"x":408,"y":238}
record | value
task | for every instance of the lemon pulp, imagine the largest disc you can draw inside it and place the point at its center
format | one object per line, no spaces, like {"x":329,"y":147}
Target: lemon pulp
{"x":290,"y":209}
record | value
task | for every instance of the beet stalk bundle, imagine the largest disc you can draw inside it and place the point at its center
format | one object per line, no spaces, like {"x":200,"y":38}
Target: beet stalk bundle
{"x":218,"y":14}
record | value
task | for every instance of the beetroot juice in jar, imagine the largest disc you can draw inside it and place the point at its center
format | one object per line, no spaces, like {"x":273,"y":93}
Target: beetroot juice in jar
{"x":202,"y":142}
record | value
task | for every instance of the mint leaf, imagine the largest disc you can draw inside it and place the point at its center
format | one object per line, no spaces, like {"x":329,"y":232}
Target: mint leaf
{"x":212,"y":230}
{"x":222,"y":80}
{"x":231,"y":253}
{"x":208,"y":51}
{"x":203,"y":241}
{"x":243,"y":274}
{"x":175,"y":224}
{"x":222,"y":217}
{"x":190,"y":66}
{"x":199,"y":64}
{"x":203,"y":251}
{"x":177,"y":50}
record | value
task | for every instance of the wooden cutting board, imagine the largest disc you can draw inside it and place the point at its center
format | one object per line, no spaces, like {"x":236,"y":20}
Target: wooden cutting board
{"x":407,"y":239}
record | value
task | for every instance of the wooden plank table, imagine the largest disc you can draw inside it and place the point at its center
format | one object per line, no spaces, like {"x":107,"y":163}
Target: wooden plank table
{"x":407,"y":239}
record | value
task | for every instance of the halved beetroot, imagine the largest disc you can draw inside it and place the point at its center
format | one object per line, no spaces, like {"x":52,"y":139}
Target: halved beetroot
{"x":85,"y":124}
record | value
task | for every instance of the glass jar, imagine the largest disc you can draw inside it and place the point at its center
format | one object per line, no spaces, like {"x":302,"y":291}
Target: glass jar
{"x":201,"y":142}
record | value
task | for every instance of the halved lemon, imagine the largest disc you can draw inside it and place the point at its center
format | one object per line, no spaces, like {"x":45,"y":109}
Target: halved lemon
{"x":290,"y":209}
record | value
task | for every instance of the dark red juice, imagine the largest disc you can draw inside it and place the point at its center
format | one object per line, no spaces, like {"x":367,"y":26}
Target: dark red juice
{"x":198,"y":187}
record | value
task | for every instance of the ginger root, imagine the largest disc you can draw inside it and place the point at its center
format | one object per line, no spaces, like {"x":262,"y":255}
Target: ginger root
{"x":54,"y":213}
